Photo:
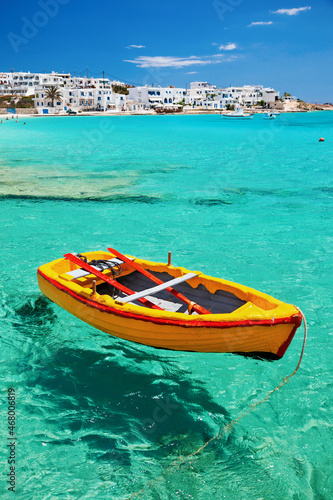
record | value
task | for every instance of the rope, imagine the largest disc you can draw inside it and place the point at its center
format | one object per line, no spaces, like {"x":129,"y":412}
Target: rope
{"x":175,"y":466}
{"x":102,"y":265}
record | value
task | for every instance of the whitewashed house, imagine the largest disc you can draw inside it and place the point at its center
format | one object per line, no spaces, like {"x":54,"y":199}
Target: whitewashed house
{"x":79,"y":100}
{"x":25,"y":83}
{"x":246,"y":96}
{"x":207,"y":96}
{"x":199,"y":92}
{"x":134,"y":105}
{"x":85,"y":82}
{"x":150,"y":96}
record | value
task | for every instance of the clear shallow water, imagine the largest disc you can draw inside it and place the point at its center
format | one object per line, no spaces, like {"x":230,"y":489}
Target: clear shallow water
{"x":98,"y":417}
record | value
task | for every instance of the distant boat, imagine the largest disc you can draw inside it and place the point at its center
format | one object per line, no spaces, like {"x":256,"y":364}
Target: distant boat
{"x":239,"y":113}
{"x":269,"y":116}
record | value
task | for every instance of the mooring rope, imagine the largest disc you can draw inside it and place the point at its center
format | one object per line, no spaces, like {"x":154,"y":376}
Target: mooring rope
{"x":179,"y":461}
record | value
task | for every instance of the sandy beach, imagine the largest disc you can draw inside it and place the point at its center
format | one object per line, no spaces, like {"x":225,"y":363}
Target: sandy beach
{"x":306,"y":107}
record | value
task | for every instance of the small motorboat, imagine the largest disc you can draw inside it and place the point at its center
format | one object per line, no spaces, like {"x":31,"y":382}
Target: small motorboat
{"x":269,"y":116}
{"x":239,"y":113}
{"x":168,"y":307}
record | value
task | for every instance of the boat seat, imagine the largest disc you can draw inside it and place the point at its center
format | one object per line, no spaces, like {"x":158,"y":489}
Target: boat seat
{"x":168,"y":306}
{"x":81,"y":273}
{"x":156,"y":289}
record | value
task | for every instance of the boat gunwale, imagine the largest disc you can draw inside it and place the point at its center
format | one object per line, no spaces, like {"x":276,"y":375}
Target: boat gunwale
{"x":295,"y":319}
{"x":240,"y":291}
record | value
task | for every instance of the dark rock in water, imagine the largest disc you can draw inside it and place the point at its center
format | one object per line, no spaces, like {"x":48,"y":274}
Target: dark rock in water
{"x":210,"y":202}
{"x":38,"y":312}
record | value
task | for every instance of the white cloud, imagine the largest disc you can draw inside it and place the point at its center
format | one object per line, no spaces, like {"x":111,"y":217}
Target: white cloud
{"x":175,"y":62}
{"x":165,"y":61}
{"x":292,"y":12}
{"x":261,"y":23}
{"x":135,"y":47}
{"x":191,"y":72}
{"x":224,"y":58}
{"x":229,"y":46}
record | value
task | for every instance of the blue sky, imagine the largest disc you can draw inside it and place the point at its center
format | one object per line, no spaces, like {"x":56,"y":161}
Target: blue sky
{"x":285,"y":44}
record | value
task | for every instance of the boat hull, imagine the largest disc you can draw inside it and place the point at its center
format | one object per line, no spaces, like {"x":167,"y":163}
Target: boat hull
{"x":238,"y":117}
{"x":268,"y":338}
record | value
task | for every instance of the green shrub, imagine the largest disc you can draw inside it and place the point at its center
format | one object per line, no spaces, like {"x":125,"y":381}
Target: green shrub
{"x":120,"y":89}
{"x":25,"y":102}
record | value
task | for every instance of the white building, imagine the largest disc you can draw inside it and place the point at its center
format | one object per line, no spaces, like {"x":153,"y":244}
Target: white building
{"x":205,"y":95}
{"x":4,"y":78}
{"x":79,"y":99}
{"x":200,"y":92}
{"x":289,"y":98}
{"x":247,"y":96}
{"x":202,"y":86}
{"x":25,"y":83}
{"x":150,"y":97}
{"x":84,"y":82}
{"x":84,"y":93}
{"x":270,"y":95}
{"x":134,"y":105}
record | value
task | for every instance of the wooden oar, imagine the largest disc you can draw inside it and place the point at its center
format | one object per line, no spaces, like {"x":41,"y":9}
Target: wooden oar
{"x":193,"y":306}
{"x":76,"y":260}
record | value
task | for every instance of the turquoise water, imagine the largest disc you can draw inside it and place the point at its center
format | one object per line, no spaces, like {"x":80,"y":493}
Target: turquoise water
{"x":99,"y":417}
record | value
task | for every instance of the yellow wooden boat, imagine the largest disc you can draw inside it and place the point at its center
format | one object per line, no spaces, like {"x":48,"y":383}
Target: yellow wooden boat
{"x":168,"y":307}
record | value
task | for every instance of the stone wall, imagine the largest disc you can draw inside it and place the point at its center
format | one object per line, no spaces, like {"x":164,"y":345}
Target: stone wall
{"x":275,"y":105}
{"x":20,"y":111}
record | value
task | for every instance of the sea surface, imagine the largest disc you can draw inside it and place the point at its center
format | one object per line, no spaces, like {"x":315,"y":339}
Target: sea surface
{"x":101,"y":418}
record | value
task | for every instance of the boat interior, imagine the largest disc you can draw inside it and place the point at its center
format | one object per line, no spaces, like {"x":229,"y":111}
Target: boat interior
{"x":220,"y":302}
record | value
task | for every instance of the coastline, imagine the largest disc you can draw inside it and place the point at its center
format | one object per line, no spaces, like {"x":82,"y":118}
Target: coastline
{"x":147,"y":113}
{"x":301,"y":108}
